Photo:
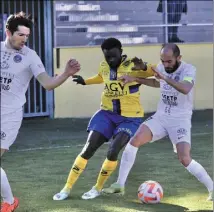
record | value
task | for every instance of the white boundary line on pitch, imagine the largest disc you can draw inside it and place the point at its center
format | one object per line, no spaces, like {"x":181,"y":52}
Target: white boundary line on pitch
{"x":81,"y":145}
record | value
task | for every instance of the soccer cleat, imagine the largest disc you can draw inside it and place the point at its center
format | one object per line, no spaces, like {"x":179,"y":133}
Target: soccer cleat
{"x":115,"y":188}
{"x":210,"y":197}
{"x":62,"y":195}
{"x":93,"y":193}
{"x":6,"y":207}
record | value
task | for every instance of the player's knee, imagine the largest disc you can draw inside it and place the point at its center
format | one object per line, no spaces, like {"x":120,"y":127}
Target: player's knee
{"x":87,"y":154}
{"x":135,"y":140}
{"x":119,"y":141}
{"x":112,"y":155}
{"x":184,"y":159}
{"x":141,"y":137}
{"x":95,"y":140}
{"x":89,"y":150}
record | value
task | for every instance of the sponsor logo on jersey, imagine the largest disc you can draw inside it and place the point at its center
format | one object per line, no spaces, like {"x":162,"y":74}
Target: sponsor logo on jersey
{"x":169,"y":100}
{"x":6,"y":80}
{"x":114,"y":89}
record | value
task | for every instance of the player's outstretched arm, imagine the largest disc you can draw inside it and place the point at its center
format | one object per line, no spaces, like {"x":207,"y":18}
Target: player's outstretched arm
{"x":149,"y":82}
{"x":50,"y":83}
{"x":78,"y":79}
{"x":184,"y":86}
{"x":97,"y":79}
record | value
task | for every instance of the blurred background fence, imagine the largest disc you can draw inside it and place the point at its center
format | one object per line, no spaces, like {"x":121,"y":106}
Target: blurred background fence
{"x":88,"y":23}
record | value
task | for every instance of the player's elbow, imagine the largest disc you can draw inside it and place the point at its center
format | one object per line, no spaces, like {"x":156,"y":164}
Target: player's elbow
{"x":48,"y":87}
{"x":185,"y":91}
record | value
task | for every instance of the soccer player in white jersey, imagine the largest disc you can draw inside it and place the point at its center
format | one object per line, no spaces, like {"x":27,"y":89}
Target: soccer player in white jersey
{"x":18,"y":65}
{"x":173,"y":117}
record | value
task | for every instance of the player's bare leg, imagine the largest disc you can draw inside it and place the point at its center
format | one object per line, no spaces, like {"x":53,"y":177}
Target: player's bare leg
{"x":183,"y":150}
{"x":142,"y":136}
{"x":9,"y":203}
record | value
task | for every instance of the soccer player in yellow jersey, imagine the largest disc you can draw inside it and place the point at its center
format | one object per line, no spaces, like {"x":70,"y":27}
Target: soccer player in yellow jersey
{"x":118,"y":119}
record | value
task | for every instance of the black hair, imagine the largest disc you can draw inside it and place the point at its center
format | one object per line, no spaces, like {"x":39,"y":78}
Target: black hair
{"x":18,"y":19}
{"x":175,"y":49}
{"x":111,"y":43}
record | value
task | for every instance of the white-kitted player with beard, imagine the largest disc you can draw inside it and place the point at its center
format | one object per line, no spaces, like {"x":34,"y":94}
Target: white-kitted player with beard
{"x":173,"y":117}
{"x":18,"y":65}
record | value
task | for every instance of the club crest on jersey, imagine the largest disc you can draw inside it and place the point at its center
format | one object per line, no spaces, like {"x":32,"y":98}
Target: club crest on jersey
{"x":17,"y":58}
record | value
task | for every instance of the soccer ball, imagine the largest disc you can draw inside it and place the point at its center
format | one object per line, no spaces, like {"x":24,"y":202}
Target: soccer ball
{"x":150,"y":192}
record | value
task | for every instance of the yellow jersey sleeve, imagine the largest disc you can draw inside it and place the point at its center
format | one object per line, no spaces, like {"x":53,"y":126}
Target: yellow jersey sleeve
{"x":144,"y":74}
{"x":97,"y":79}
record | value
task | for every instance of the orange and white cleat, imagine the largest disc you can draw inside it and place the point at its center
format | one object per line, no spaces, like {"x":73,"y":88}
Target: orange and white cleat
{"x":6,"y":207}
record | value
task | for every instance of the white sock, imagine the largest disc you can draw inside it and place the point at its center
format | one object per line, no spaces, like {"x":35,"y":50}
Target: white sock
{"x":200,"y":173}
{"x":127,"y":161}
{"x":6,"y":192}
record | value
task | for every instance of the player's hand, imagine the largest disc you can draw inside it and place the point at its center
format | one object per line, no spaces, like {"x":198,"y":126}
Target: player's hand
{"x":127,"y":79}
{"x":72,"y":67}
{"x":138,"y":64}
{"x":78,"y":79}
{"x":157,"y":74}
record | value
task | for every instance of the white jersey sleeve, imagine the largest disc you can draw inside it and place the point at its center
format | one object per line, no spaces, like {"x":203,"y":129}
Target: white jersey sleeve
{"x":189,"y":74}
{"x":160,"y":69}
{"x":36,"y":65}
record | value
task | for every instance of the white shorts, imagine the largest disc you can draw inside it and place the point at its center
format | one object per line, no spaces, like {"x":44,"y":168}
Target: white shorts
{"x":178,"y":130}
{"x":10,"y":125}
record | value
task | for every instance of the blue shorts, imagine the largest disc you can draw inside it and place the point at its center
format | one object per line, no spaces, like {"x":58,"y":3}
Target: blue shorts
{"x":109,"y":124}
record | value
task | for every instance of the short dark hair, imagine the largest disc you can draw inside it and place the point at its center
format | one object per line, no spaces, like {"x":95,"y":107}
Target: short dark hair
{"x":18,"y":19}
{"x":175,"y":49}
{"x":111,"y":43}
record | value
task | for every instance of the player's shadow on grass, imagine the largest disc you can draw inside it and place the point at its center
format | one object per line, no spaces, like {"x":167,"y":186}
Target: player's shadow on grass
{"x":137,"y":205}
{"x":109,"y":204}
{"x":161,"y":207}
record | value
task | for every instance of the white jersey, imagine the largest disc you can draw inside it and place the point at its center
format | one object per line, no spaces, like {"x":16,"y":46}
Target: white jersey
{"x":172,"y":102}
{"x":17,"y":69}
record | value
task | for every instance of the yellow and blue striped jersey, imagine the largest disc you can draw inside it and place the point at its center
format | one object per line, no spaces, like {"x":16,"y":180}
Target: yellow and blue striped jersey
{"x":116,"y":97}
